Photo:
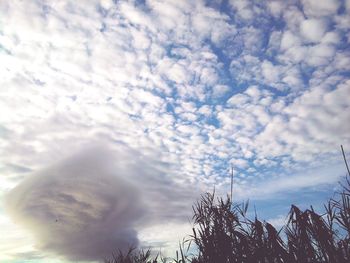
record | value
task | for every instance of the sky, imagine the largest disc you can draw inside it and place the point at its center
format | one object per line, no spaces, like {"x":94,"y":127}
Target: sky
{"x":117,"y":115}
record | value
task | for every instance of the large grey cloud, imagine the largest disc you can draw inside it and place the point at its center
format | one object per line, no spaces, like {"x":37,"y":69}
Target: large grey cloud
{"x":93,"y":203}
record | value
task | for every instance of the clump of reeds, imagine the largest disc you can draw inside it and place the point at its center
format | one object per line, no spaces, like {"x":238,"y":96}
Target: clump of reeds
{"x":133,"y":256}
{"x":223,"y":233}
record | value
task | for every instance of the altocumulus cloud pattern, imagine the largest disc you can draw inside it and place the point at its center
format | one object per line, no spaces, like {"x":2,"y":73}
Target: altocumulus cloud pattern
{"x":187,"y":88}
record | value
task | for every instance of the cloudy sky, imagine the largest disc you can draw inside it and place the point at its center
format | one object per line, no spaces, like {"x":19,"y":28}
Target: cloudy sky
{"x":116,"y":115}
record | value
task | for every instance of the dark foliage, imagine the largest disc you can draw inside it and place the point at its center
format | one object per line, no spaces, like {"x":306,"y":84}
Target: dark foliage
{"x":223,"y":233}
{"x":133,"y":256}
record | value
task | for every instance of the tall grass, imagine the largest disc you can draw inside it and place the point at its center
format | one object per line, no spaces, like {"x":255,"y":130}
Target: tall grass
{"x":223,"y":233}
{"x":133,"y":256}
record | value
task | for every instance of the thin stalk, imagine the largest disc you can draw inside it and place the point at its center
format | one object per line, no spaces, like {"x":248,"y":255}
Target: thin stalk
{"x":231,"y":183}
{"x":346,"y":163}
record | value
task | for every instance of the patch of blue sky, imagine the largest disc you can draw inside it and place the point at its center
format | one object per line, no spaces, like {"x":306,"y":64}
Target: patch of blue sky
{"x":304,"y":198}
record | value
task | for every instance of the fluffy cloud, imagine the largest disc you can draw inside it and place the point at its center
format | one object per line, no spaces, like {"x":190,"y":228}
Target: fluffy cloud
{"x":289,"y":40}
{"x":313,"y":30}
{"x":75,"y":202}
{"x":320,"y":8}
{"x":276,"y":7}
{"x":91,"y":205}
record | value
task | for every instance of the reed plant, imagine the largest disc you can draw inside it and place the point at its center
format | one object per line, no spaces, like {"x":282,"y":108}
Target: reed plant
{"x":223,"y":233}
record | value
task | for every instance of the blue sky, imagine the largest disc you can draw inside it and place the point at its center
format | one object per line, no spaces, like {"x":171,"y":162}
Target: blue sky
{"x":183,"y":89}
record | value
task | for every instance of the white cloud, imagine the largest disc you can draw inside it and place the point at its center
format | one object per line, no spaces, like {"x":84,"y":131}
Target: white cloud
{"x":254,"y":92}
{"x":320,"y":8}
{"x":270,"y":72}
{"x":331,"y":38}
{"x":347,"y":5}
{"x":313,"y":29}
{"x":320,"y":55}
{"x":205,"y":110}
{"x":276,"y":7}
{"x":342,"y":21}
{"x":243,"y":8}
{"x":275,"y":41}
{"x":293,"y":17}
{"x":140,"y":39}
{"x":240,"y":163}
{"x":220,"y":90}
{"x":295,"y":54}
{"x":289,"y":40}
{"x":135,"y":15}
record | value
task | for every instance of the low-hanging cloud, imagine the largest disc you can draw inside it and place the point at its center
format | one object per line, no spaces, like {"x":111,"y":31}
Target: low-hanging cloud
{"x":89,"y":205}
